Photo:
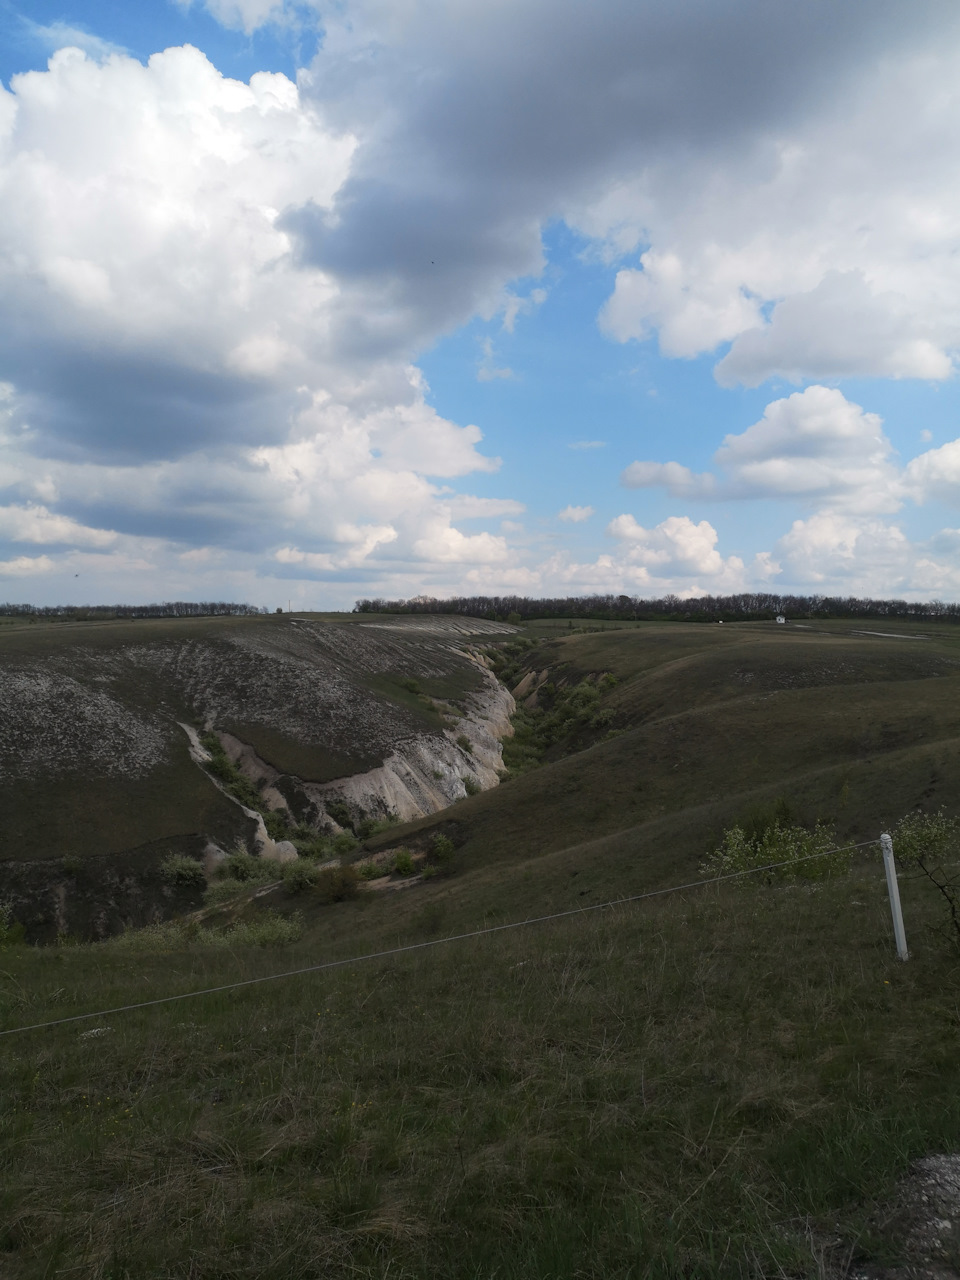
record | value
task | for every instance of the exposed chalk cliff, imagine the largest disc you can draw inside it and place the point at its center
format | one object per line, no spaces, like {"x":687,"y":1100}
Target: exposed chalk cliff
{"x":421,"y":775}
{"x":101,"y":763}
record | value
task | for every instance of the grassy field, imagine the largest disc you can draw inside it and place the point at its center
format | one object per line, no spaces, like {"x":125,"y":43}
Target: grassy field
{"x":707,"y":723}
{"x":718,"y":1083}
{"x":722,"y":1083}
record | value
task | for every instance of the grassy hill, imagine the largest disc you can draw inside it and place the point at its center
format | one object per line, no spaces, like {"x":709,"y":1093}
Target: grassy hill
{"x":717,"y":1083}
{"x":708,"y":725}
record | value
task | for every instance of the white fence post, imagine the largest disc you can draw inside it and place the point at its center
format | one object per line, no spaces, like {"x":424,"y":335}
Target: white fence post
{"x":893,"y":889}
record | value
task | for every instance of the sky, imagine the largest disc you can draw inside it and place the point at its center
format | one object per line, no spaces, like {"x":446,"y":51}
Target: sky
{"x":304,"y":301}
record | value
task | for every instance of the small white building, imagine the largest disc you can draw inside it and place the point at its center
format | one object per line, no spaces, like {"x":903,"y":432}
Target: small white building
{"x":781,"y":620}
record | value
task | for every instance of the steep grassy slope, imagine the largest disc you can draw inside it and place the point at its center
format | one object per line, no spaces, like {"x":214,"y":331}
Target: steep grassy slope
{"x":710,"y":722}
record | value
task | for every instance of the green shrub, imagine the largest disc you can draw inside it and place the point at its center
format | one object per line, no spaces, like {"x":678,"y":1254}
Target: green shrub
{"x":340,"y":812}
{"x":926,"y":837}
{"x":246,"y":868}
{"x":271,"y":930}
{"x":369,"y":870}
{"x":277,"y":824}
{"x":223,"y":768}
{"x":403,"y":863}
{"x":178,"y":869}
{"x":930,"y":843}
{"x":336,"y":884}
{"x":373,"y":826}
{"x":464,"y":743}
{"x":11,"y":932}
{"x":313,"y":847}
{"x":344,"y":843}
{"x":471,"y":785}
{"x":442,"y":849}
{"x":792,"y":845}
{"x":222,"y":891}
{"x":411,"y":685}
{"x":299,"y":876}
{"x":563,"y":714}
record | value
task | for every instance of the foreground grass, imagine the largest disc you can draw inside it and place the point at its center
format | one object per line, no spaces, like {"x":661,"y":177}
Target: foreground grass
{"x":700,"y":1087}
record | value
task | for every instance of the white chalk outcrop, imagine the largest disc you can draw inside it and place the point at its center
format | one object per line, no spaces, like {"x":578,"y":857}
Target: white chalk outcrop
{"x":433,"y":771}
{"x":421,"y":776}
{"x":421,"y":773}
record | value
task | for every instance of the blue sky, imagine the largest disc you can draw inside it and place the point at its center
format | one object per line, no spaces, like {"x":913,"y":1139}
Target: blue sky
{"x":309,"y":301}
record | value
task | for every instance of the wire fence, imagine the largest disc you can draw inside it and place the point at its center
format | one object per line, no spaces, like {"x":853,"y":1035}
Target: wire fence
{"x":434,"y":942}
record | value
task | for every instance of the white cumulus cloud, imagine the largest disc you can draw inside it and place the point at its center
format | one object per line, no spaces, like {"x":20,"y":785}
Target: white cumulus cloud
{"x":676,"y":546}
{"x":25,"y":566}
{"x":821,"y":246}
{"x":814,"y":445}
{"x":575,"y":515}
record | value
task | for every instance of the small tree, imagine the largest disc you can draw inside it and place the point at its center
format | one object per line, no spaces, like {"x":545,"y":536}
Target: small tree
{"x":926,"y":842}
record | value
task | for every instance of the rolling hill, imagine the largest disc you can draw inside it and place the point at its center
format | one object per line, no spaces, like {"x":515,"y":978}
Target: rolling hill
{"x":727,"y":1082}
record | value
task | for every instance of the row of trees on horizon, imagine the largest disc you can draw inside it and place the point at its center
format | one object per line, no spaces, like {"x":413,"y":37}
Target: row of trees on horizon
{"x":610,"y":608}
{"x":607,"y":608}
{"x":99,"y":612}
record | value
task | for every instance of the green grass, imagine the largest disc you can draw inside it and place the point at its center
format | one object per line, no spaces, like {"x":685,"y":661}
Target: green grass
{"x":702,"y":1086}
{"x":709,"y":723}
{"x":708,"y":1085}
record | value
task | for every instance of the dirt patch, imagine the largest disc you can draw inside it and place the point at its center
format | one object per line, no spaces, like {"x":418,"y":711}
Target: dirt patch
{"x":920,"y":1225}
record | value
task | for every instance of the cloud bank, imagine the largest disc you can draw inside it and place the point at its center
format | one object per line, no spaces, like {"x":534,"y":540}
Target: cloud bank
{"x":213,"y":294}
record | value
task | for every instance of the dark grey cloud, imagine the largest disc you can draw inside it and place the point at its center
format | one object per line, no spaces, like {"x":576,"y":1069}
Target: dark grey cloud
{"x":118,"y":407}
{"x":479,"y":122}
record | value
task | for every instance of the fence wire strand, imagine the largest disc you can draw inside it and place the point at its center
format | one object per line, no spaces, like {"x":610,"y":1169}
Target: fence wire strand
{"x":434,"y":942}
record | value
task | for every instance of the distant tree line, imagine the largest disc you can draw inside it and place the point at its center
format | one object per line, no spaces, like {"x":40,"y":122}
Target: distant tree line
{"x":101,"y":612}
{"x":757,"y":605}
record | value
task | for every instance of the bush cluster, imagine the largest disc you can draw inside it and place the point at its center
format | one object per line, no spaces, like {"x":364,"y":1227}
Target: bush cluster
{"x":793,"y":845}
{"x":402,"y":863}
{"x":247,"y":868}
{"x":336,"y":884}
{"x":269,"y":930}
{"x":223,"y":768}
{"x":564,"y":714}
{"x":178,"y":869}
